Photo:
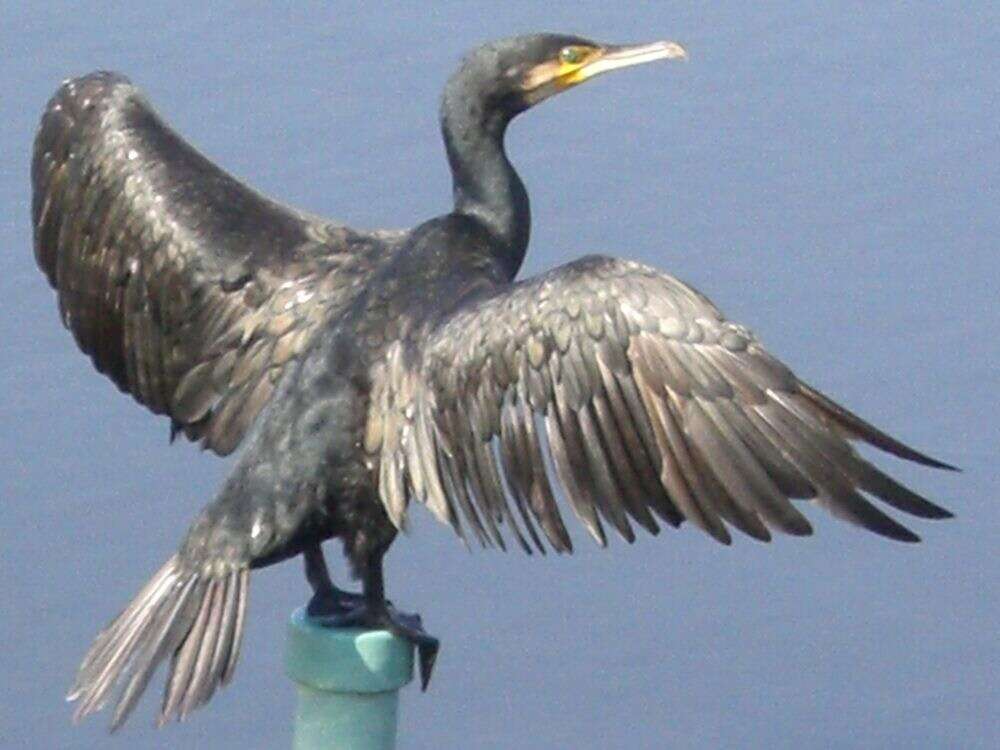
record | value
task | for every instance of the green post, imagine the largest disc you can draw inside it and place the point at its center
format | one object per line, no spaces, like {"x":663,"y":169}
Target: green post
{"x":348,"y":682}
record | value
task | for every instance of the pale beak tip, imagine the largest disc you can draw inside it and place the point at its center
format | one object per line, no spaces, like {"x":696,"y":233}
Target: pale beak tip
{"x":674,"y":51}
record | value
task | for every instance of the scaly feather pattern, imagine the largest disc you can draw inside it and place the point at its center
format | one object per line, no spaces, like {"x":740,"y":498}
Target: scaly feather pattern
{"x":630,"y":390}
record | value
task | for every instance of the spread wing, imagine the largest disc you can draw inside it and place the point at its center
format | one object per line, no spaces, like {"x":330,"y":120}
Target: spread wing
{"x":632,"y":392}
{"x":187,"y":288}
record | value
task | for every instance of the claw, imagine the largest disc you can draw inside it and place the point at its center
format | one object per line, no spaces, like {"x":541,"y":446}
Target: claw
{"x":410,"y":627}
{"x":427,"y":653}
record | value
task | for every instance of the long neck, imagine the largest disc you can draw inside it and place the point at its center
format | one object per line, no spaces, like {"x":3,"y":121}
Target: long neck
{"x":486,"y":187}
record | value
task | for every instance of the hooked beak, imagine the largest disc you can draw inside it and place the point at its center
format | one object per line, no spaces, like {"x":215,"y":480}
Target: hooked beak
{"x":553,"y":77}
{"x":615,"y":58}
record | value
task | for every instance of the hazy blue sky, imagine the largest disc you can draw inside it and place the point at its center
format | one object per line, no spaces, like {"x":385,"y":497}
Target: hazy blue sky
{"x":828,"y":176}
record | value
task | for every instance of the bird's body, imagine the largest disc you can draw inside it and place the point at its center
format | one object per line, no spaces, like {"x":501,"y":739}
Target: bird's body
{"x":313,"y":432}
{"x":361,"y":371}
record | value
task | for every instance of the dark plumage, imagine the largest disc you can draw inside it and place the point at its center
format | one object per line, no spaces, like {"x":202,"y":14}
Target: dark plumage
{"x":364,"y":370}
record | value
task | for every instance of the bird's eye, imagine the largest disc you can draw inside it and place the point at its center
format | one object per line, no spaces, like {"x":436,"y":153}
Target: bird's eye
{"x":571,"y":55}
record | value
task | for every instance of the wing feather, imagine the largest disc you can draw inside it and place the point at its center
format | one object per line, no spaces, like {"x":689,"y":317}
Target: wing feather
{"x":635,"y":395}
{"x":580,"y":496}
{"x":519,"y":470}
{"x":623,"y":426}
{"x":187,"y":288}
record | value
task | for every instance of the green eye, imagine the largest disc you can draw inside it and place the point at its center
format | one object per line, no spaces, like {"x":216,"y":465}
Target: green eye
{"x":571,"y":55}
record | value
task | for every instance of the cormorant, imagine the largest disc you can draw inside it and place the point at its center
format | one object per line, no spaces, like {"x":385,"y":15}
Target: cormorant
{"x":364,"y":370}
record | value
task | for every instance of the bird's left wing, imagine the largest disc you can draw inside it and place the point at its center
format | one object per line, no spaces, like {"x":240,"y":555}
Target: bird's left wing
{"x":632,"y":391}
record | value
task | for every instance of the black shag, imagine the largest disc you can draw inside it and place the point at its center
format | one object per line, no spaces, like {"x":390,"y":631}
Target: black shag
{"x":364,"y":370}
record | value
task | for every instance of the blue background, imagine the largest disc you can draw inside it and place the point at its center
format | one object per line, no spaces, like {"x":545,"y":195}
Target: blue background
{"x":828,"y":175}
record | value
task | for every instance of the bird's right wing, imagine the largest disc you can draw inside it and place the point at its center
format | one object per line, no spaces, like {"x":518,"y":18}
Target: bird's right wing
{"x":631,"y":390}
{"x":188,"y":289}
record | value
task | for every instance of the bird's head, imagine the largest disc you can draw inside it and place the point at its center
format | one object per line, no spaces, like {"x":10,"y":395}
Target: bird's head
{"x":510,"y":75}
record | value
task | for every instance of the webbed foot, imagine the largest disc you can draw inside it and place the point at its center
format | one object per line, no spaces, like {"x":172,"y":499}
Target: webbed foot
{"x":333,"y":603}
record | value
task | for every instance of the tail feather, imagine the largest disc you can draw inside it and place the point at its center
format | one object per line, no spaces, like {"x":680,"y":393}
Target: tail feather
{"x":181,"y":613}
{"x":105,"y":641}
{"x":162,"y":642}
{"x":187,"y":686}
{"x":241,"y":613}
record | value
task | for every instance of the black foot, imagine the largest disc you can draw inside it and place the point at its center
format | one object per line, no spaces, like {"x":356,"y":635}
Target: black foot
{"x":386,"y":617}
{"x":335,"y":603}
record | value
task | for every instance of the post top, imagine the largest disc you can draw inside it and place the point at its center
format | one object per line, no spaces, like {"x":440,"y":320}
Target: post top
{"x":345,"y":660}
